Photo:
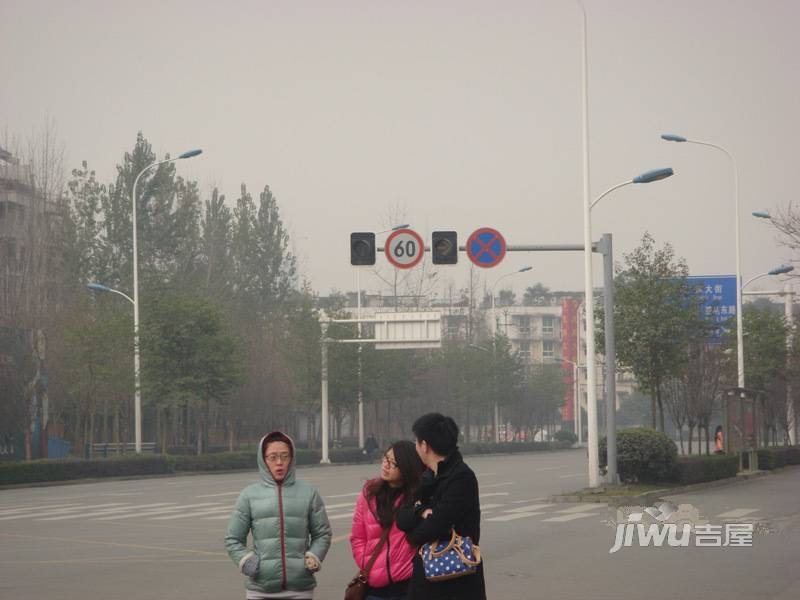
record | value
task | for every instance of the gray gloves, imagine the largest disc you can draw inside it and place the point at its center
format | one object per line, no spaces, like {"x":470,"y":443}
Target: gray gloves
{"x":250,"y":566}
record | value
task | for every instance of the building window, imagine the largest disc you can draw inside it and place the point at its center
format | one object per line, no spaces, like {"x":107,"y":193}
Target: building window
{"x":548,"y":350}
{"x":525,"y":350}
{"x":523,"y":324}
{"x":548,"y":326}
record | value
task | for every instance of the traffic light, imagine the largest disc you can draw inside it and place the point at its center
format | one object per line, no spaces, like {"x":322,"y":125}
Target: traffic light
{"x":362,"y":248}
{"x":444,"y":247}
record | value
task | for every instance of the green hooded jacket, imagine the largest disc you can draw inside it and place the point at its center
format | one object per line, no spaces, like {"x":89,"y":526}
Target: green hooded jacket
{"x":287,"y":519}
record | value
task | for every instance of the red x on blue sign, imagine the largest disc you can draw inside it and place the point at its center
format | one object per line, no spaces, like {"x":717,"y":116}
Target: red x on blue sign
{"x":486,"y":247}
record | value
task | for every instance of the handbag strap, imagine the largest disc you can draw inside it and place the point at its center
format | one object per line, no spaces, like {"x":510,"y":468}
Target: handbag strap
{"x":375,"y":553}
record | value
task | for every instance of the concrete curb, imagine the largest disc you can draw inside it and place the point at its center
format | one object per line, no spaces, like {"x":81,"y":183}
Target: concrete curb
{"x":653,"y":496}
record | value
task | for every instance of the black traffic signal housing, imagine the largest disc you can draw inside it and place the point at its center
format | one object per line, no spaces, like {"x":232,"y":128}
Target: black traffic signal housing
{"x":444,"y":247}
{"x":362,"y":248}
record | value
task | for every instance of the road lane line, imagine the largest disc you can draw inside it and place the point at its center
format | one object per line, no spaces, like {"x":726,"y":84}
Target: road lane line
{"x":342,"y":505}
{"x":571,"y":475}
{"x":524,"y":509}
{"x":546,"y":469}
{"x":580,"y":509}
{"x":115,"y":544}
{"x":494,"y":485}
{"x":565,"y":518}
{"x":158,"y":511}
{"x":344,"y":495}
{"x":735,"y":514}
{"x":515,"y":516}
{"x":59,"y":511}
{"x":102,"y":513}
{"x":202,"y":513}
{"x":218,"y":495}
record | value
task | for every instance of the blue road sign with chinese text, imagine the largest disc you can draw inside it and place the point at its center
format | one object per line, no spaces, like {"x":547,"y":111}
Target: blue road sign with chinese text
{"x":717,"y":298}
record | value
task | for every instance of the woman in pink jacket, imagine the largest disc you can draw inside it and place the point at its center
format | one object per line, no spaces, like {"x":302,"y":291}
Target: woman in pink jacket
{"x":401,"y":469}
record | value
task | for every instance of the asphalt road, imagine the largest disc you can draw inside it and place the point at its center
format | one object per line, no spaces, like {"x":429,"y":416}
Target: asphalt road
{"x":162,"y":538}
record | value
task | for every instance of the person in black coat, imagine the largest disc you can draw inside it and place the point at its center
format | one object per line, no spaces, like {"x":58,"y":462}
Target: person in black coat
{"x":447,"y":499}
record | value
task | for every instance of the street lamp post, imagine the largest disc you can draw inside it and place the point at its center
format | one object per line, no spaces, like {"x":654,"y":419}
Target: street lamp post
{"x":494,"y":348}
{"x":358,"y":317}
{"x":739,"y":328}
{"x":136,"y":372}
{"x":591,"y":364}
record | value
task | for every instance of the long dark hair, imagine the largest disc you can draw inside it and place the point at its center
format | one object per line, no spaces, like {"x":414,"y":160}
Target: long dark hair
{"x":411,"y":469}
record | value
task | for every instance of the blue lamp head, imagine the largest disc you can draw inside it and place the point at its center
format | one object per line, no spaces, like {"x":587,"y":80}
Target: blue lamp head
{"x":654,"y":175}
{"x":782,"y":270}
{"x":97,"y":287}
{"x":671,"y":137}
{"x":762,"y":214}
{"x":190,"y":153}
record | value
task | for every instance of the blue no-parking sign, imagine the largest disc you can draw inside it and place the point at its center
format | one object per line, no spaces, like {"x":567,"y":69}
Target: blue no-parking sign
{"x":486,"y":247}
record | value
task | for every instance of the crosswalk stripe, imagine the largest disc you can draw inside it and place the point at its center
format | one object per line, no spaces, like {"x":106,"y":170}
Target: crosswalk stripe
{"x":494,"y":494}
{"x":12,"y":511}
{"x":202,"y":513}
{"x":515,"y":516}
{"x":344,"y":516}
{"x":59,"y":511}
{"x":564,"y":518}
{"x":342,"y":505}
{"x":739,"y":512}
{"x":218,"y":495}
{"x":570,"y":475}
{"x":494,"y":485}
{"x":582,"y":508}
{"x":485,"y":507}
{"x":102,"y":513}
{"x":530,"y":508}
{"x":157,"y":511}
{"x":345,"y":495}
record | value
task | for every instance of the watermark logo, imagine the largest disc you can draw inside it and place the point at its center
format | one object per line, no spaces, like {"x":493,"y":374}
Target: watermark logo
{"x":676,"y":526}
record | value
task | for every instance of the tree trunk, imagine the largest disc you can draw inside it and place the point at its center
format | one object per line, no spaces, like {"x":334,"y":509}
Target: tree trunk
{"x":187,"y":442}
{"x":653,"y":405}
{"x":105,"y":420}
{"x":691,"y":439}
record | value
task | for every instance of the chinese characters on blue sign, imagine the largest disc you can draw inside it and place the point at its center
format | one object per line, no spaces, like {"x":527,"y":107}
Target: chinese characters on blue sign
{"x":717,"y":299}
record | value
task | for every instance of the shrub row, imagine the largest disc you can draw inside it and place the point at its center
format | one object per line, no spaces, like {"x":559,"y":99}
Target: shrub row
{"x":65,"y":470}
{"x":697,"y":469}
{"x":775,"y":458}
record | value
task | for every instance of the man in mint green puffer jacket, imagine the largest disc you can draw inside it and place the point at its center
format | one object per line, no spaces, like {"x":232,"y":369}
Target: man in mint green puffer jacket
{"x":291,"y":531}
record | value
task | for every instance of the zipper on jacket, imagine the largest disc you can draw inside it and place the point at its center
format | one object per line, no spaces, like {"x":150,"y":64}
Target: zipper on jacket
{"x":283,"y":543}
{"x":388,"y":566}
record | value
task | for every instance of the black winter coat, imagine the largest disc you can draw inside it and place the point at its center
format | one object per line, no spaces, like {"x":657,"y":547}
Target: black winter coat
{"x":452,"y":494}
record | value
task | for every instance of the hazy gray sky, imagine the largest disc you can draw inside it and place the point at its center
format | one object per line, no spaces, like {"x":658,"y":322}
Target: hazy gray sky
{"x":462,"y":114}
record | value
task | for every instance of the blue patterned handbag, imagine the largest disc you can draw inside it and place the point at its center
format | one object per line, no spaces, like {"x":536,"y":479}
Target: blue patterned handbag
{"x":448,"y":559}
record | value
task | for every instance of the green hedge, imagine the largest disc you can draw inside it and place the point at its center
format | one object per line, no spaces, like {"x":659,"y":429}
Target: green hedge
{"x":775,"y":458}
{"x":643,"y":455}
{"x":697,"y":469}
{"x":63,"y":470}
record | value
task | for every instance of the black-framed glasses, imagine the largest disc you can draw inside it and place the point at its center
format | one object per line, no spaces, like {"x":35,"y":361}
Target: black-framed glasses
{"x":389,"y":462}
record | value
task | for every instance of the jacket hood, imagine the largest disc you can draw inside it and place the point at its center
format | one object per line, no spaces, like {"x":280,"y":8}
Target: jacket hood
{"x":266,"y":475}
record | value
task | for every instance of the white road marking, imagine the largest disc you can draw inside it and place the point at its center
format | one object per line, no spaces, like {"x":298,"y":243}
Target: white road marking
{"x":159,"y":511}
{"x":494,"y":485}
{"x":490,"y":506}
{"x":344,"y":516}
{"x":107,"y":511}
{"x":570,"y":475}
{"x":344,"y":495}
{"x":739,"y":512}
{"x":515,"y":516}
{"x":58,"y":511}
{"x":342,"y":505}
{"x":524,"y":509}
{"x":583,"y":508}
{"x":202,"y":513}
{"x":564,"y":518}
{"x":494,"y":494}
{"x":546,"y":469}
{"x":527,"y":501}
{"x":218,"y":495}
{"x":12,"y":511}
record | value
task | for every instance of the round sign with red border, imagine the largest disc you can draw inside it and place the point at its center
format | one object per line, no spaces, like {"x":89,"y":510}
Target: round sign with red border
{"x":486,"y":247}
{"x":404,"y":248}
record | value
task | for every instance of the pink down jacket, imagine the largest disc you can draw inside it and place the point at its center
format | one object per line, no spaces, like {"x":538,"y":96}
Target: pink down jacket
{"x":394,"y":562}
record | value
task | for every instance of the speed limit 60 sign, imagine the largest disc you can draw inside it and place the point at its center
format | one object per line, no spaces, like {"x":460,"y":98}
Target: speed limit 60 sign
{"x":404,"y":248}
